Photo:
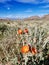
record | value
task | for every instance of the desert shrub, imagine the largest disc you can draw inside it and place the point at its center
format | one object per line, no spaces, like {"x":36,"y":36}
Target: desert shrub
{"x":11,"y":44}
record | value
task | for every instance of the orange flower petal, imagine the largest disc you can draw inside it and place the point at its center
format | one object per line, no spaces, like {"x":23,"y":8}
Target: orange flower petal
{"x":25,"y":49}
{"x":19,"y":31}
{"x":26,"y":31}
{"x":34,"y":51}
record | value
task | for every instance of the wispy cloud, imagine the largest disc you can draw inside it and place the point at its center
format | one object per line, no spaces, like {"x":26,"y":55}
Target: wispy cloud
{"x":26,"y":1}
{"x":9,"y":16}
{"x":29,"y":1}
{"x":46,"y":1}
{"x":46,"y":6}
{"x":43,"y":11}
{"x":2,"y":1}
{"x":33,"y":1}
{"x":28,"y":10}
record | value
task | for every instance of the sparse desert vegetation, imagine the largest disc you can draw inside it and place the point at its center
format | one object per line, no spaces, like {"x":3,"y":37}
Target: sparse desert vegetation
{"x":24,"y":42}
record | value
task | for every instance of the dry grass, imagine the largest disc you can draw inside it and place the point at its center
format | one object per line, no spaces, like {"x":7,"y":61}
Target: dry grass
{"x":11,"y":42}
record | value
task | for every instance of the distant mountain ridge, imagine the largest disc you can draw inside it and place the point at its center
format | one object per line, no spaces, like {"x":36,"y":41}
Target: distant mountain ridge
{"x":45,"y":17}
{"x":32,"y":18}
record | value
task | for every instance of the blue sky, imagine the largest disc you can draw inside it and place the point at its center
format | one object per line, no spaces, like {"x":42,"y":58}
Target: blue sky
{"x":23,"y":8}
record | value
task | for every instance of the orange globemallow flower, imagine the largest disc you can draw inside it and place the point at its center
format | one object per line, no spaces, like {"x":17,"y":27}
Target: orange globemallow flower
{"x":19,"y":31}
{"x":25,"y":30}
{"x":25,"y":49}
{"x":34,"y":51}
